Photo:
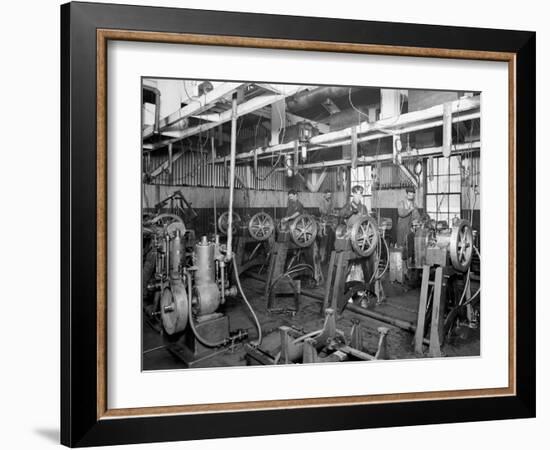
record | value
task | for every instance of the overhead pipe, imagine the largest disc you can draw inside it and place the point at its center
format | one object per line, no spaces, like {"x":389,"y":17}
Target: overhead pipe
{"x":306,"y":99}
{"x":345,"y":119}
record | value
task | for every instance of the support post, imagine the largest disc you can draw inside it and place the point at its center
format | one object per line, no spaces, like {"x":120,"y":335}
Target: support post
{"x":437,"y":315}
{"x":421,"y":321}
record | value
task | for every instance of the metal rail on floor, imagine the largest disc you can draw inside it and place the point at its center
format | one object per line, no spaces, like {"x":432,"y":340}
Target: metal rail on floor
{"x":402,"y":324}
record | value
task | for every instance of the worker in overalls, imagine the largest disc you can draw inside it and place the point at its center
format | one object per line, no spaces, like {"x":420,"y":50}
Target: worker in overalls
{"x":407,"y":210}
{"x":293,"y":208}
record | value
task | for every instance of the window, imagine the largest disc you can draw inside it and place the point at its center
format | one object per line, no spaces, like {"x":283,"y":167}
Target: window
{"x":362,"y":176}
{"x":443,"y":188}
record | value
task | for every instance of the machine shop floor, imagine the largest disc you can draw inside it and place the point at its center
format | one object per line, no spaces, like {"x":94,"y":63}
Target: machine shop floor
{"x":400,"y":304}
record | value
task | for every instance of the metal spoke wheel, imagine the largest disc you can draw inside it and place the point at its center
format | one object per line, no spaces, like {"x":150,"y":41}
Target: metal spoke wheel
{"x":261,"y":226}
{"x":175,"y":227}
{"x":461,"y":246}
{"x":364,"y":235}
{"x":303,"y":230}
{"x":163,"y":220}
{"x":223,"y":222}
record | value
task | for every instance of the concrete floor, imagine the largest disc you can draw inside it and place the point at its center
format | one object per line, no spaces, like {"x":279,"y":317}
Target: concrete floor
{"x":401,"y":303}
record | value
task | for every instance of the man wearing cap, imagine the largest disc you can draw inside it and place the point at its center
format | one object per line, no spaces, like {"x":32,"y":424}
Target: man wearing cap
{"x":407,"y":212}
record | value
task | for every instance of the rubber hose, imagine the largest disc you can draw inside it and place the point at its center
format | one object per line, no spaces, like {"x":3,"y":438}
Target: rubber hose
{"x":259,"y":341}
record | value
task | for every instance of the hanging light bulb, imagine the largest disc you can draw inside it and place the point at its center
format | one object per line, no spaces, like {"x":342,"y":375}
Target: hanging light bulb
{"x":305,"y":133}
{"x":289,"y":165}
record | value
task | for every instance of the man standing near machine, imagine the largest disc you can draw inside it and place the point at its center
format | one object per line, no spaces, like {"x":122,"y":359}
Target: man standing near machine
{"x":407,"y":211}
{"x":326,"y":238}
{"x":326,"y":207}
{"x":294,"y":207}
{"x":352,"y":209}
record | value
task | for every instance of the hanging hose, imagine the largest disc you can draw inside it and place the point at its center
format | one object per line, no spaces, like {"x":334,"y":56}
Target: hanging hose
{"x":222,"y":342}
{"x":387,"y":259}
{"x":472,"y":298}
{"x":467,"y":284}
{"x":293,"y":270}
{"x":259,"y":341}
{"x":466,"y":288}
{"x":374,"y":275}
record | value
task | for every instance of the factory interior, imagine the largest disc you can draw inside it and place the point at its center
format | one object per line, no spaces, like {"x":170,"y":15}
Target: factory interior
{"x":296,"y":224}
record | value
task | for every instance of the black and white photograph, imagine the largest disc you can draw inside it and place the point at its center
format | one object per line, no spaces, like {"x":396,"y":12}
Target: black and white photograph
{"x":297,"y":224}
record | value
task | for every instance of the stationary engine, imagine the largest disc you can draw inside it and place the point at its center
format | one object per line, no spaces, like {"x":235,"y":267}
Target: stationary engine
{"x":190,"y":282}
{"x":204,"y":284}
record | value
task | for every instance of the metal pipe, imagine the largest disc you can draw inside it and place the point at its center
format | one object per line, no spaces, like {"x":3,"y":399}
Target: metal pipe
{"x":222,"y":278}
{"x":232,"y":176}
{"x":214,"y":180}
{"x":403,"y":324}
{"x":167,"y":250}
{"x":307,"y":99}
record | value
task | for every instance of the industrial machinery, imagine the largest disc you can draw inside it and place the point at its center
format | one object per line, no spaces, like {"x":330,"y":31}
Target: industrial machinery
{"x":294,"y":253}
{"x":178,"y":205}
{"x":190,"y":285}
{"x":157,"y":230}
{"x":254,"y":238}
{"x":223,"y":223}
{"x":328,"y":344}
{"x":358,"y":261}
{"x":445,"y":254}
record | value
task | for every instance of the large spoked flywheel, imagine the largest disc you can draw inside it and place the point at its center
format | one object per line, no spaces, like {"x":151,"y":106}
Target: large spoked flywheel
{"x":461,"y":246}
{"x":364,"y":235}
{"x":223,"y":222}
{"x":261,"y":226}
{"x":303,"y":230}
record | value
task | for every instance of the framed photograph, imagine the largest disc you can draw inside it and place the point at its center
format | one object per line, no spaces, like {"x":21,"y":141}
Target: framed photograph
{"x":279,"y":224}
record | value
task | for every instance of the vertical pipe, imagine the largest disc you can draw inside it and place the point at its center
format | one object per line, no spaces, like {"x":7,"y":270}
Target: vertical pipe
{"x":214,"y":180}
{"x":170,"y":158}
{"x":232,"y":174}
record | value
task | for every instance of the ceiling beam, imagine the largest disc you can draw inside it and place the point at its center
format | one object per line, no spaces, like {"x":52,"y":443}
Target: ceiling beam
{"x":247,"y":107}
{"x":201,"y":104}
{"x":462,"y":109}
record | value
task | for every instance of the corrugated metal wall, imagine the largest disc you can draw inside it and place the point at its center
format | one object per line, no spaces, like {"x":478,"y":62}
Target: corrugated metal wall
{"x":195,"y":169}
